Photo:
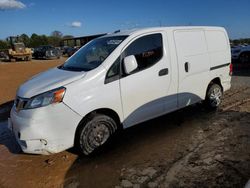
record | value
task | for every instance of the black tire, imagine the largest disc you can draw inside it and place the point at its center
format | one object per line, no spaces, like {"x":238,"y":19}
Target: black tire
{"x":214,"y":96}
{"x":94,"y":133}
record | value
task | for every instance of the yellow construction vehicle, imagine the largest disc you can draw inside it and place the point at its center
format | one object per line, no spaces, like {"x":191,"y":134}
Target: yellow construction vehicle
{"x":18,"y":50}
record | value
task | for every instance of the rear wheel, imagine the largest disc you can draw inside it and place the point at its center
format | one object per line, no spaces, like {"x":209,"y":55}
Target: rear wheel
{"x":94,"y":133}
{"x":214,"y":96}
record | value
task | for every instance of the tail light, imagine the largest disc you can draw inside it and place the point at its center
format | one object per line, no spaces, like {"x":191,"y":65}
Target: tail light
{"x":231,"y":69}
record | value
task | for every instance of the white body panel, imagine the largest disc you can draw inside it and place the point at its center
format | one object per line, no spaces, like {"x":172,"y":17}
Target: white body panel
{"x":48,"y":80}
{"x":45,"y":130}
{"x":191,"y":51}
{"x":134,"y":98}
{"x":146,"y":97}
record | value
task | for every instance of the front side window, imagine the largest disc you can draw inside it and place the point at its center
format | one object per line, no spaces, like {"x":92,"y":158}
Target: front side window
{"x":148,"y":50}
{"x":93,"y":54}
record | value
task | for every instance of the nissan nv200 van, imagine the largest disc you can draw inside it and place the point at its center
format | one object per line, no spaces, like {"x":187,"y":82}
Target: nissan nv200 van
{"x":117,"y":81}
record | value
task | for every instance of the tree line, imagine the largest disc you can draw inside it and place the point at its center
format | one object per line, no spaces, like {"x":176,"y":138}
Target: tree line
{"x":237,"y":42}
{"x":55,"y":39}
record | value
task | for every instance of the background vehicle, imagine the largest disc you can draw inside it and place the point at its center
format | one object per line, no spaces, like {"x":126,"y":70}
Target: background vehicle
{"x":64,"y":50}
{"x":71,"y":51}
{"x":32,"y":50}
{"x":118,"y":81}
{"x":241,"y":54}
{"x":46,"y":52}
{"x":18,"y":50}
{"x":3,"y":55}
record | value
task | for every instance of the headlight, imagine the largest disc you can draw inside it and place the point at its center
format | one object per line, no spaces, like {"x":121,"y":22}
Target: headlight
{"x":47,"y":98}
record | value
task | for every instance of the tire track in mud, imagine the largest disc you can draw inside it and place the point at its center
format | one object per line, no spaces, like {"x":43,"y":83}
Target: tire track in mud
{"x":236,"y":91}
{"x":168,"y":174}
{"x":233,"y":99}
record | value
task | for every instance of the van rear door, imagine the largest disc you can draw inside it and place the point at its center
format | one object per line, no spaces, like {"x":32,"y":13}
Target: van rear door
{"x":193,"y":63}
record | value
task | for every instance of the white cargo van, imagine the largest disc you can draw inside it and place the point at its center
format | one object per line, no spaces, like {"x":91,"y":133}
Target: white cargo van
{"x":120,"y":80}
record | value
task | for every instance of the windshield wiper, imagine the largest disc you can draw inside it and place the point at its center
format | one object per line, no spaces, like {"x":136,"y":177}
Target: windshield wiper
{"x":77,"y":69}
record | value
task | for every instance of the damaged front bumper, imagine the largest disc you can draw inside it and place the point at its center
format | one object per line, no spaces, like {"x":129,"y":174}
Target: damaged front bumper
{"x":44,"y":130}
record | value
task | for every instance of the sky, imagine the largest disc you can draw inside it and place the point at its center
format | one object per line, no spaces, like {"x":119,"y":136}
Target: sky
{"x":88,"y":17}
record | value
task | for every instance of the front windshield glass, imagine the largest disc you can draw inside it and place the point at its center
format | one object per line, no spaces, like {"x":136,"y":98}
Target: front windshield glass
{"x":93,"y":54}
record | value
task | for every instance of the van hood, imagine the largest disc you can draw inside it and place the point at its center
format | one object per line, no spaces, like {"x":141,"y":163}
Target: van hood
{"x":47,"y":81}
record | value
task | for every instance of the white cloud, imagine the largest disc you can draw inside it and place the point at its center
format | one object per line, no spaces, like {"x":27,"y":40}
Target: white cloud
{"x":11,"y":4}
{"x":76,"y":24}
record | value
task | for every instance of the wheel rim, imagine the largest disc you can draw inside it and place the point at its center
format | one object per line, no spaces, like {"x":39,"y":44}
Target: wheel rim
{"x":215,"y":97}
{"x":94,"y":135}
{"x":99,"y":134}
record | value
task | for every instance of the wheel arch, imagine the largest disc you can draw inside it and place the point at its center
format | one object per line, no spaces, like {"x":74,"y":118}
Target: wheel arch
{"x":216,"y":80}
{"x":106,"y":111}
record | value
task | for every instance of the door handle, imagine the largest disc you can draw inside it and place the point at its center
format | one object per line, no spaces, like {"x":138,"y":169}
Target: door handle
{"x":186,"y":65}
{"x":163,"y":72}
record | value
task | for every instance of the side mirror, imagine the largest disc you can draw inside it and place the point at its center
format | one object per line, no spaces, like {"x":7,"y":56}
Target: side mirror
{"x":130,"y":64}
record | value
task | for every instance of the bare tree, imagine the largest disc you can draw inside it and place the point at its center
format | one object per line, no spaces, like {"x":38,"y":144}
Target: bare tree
{"x":56,"y":33}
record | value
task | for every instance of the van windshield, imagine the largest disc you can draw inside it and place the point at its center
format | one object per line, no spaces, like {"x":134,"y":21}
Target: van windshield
{"x":93,"y":54}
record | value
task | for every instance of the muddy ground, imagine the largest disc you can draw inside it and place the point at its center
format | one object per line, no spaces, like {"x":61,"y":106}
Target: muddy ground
{"x":189,"y":148}
{"x":15,"y":73}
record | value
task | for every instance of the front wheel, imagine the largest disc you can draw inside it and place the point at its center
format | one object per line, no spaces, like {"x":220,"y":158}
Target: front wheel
{"x":214,"y":96}
{"x":94,"y":133}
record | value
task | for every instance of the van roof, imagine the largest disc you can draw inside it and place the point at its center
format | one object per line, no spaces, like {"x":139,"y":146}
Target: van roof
{"x":152,"y":29}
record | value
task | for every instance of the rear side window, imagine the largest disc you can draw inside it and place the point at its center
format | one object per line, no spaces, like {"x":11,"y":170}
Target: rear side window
{"x":148,"y":50}
{"x":217,"y":41}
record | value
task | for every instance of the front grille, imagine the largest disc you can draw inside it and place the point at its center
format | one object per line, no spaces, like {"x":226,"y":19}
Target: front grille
{"x":20,"y":103}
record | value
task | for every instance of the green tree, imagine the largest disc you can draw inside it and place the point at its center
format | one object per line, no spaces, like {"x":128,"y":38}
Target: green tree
{"x":54,"y":41}
{"x":240,"y":41}
{"x":3,"y":45}
{"x":43,"y":40}
{"x":25,"y":39}
{"x":55,"y":38}
{"x":34,"y":40}
{"x":38,"y":40}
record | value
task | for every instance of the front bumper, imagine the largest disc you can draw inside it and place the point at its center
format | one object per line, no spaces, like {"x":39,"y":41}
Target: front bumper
{"x":45,"y":130}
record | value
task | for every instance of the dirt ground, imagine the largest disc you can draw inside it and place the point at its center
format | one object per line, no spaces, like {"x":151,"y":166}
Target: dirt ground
{"x":188,"y":148}
{"x":13,"y":74}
